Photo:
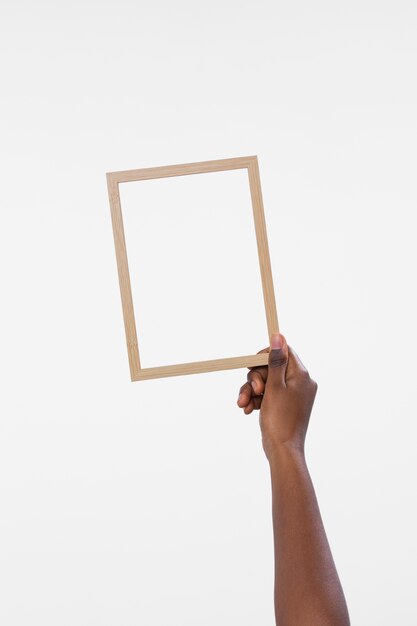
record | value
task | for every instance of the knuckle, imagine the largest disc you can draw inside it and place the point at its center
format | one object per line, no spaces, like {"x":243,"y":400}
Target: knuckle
{"x":251,"y":376}
{"x":277,"y":360}
{"x":305,"y":380}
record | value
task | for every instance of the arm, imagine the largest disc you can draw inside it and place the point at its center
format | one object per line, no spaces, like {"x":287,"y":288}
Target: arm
{"x":307,"y":588}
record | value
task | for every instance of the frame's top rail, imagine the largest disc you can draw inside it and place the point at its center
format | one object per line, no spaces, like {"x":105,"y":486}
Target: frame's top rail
{"x":181,"y":169}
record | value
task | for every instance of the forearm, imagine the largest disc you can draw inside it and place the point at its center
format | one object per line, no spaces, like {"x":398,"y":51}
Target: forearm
{"x":307,"y":586}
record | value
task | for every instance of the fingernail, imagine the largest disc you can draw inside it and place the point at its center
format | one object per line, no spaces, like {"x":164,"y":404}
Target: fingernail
{"x":276,"y":341}
{"x":253,"y":383}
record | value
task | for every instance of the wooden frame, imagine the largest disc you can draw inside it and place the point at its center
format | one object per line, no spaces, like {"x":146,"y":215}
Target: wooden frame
{"x":113,"y":181}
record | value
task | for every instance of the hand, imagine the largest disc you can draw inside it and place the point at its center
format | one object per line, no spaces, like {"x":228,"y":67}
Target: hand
{"x":284,"y":393}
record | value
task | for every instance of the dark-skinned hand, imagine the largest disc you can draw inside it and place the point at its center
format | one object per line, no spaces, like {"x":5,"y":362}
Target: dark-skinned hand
{"x":284,"y":393}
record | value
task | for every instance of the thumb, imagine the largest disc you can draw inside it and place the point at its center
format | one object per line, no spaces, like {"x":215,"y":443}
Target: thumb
{"x":277,"y":362}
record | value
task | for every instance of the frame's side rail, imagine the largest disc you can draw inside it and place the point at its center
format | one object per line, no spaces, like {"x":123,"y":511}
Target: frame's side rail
{"x":124,"y":278}
{"x":263,"y":249}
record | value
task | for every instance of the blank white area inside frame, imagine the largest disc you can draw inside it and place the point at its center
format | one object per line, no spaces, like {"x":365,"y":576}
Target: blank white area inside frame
{"x":194,"y":267}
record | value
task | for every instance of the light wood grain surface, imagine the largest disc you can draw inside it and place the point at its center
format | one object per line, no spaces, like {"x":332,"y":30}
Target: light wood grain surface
{"x":113,"y":181}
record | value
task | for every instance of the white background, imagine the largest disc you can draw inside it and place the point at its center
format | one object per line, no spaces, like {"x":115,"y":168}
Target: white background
{"x":149,"y":503}
{"x":194,"y":265}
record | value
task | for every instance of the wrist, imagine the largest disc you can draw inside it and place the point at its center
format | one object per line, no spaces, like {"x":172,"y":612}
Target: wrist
{"x":282,"y":453}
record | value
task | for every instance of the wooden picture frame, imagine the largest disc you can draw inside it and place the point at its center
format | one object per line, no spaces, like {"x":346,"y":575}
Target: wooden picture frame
{"x":113,"y":180}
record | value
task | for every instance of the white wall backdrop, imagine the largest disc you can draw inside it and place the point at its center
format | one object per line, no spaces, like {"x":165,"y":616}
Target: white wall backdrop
{"x":149,"y":503}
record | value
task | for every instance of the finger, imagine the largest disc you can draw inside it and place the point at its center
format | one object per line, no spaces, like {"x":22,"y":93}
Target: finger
{"x":261,"y":369}
{"x":278,"y":360}
{"x":254,"y":404}
{"x":257,"y":378}
{"x":245,"y":394}
{"x":248,"y":409}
